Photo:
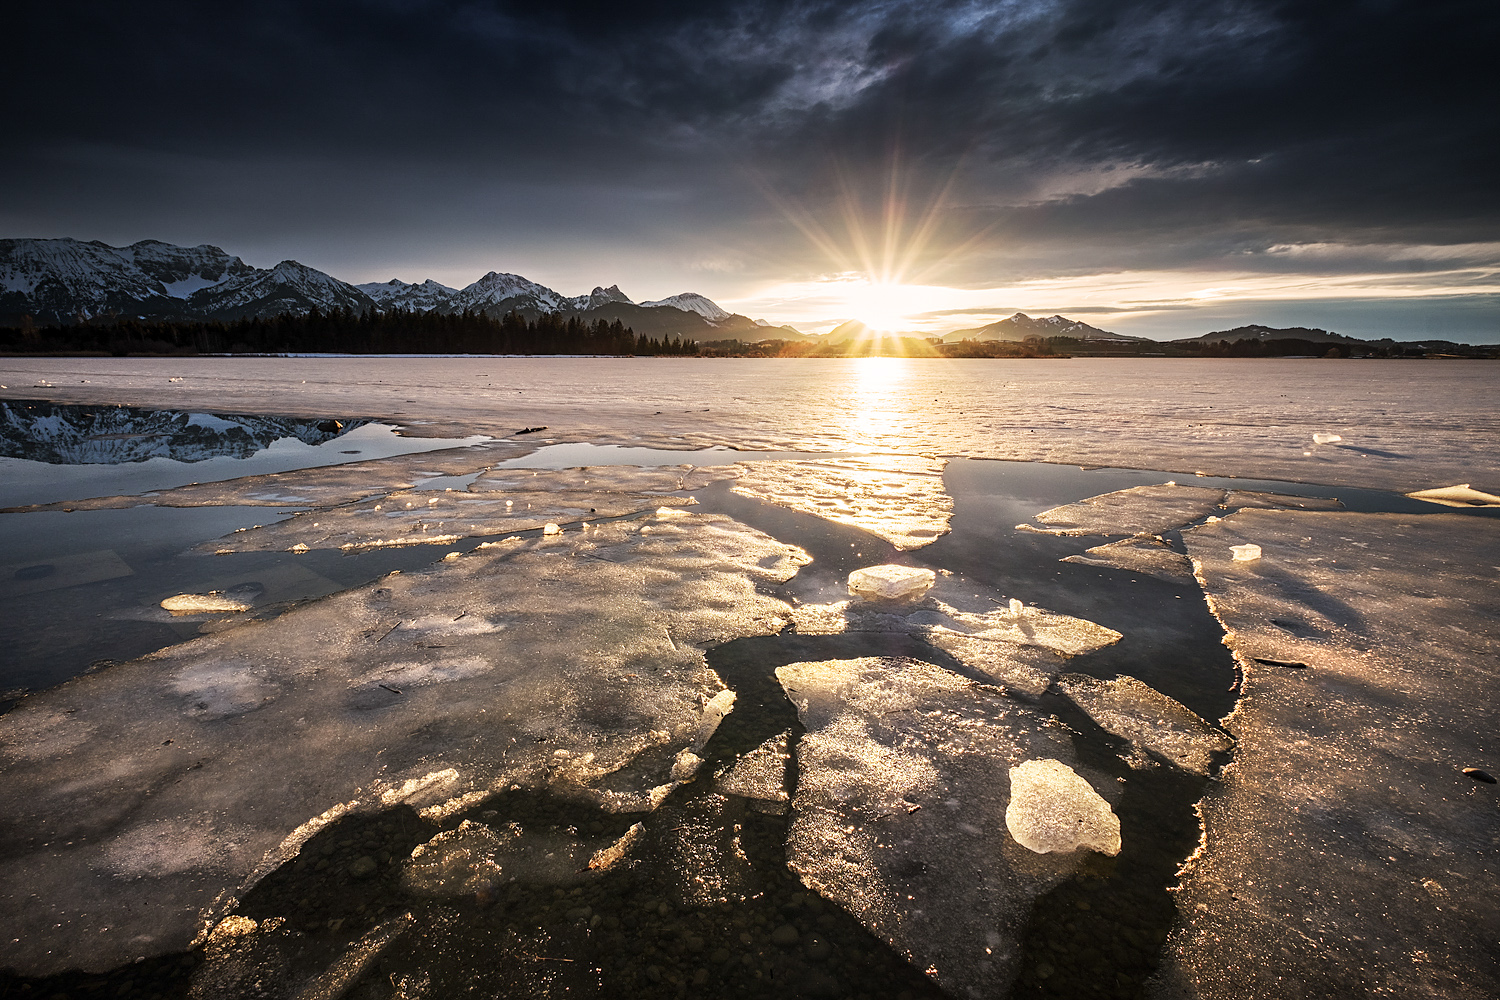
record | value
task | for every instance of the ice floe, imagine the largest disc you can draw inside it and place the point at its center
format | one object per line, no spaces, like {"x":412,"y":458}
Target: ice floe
{"x":1140,"y":510}
{"x":225,"y":754}
{"x":1148,"y":719}
{"x":1462,"y":495}
{"x":900,"y":498}
{"x":1367,"y":644}
{"x":900,"y":812}
{"x":1147,"y":555}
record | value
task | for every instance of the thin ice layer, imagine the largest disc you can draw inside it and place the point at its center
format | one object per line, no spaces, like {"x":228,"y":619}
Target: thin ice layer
{"x":324,"y":486}
{"x":430,"y":518}
{"x":1018,"y":649}
{"x":1345,"y":850}
{"x":900,"y":498}
{"x":759,"y":774}
{"x":135,"y":796}
{"x":900,"y":812}
{"x":608,"y":478}
{"x":1145,"y":555}
{"x":1140,"y":510}
{"x":1148,"y":719}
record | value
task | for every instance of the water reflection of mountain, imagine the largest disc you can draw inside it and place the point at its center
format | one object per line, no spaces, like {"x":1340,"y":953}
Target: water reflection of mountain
{"x":109,"y":435}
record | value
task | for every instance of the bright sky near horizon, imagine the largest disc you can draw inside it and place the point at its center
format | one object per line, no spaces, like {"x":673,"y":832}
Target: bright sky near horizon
{"x":1152,"y":167}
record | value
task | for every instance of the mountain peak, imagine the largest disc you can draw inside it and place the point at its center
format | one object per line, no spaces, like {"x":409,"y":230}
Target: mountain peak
{"x":693,"y":302}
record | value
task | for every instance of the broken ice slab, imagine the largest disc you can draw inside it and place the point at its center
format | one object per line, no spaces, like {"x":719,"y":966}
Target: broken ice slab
{"x":900,"y":498}
{"x":425,"y":518}
{"x":1248,"y":552}
{"x":1322,"y":438}
{"x":759,"y":775}
{"x":1053,"y":810}
{"x":606,"y":478}
{"x":1237,"y":499}
{"x":1461,"y":495}
{"x":1145,"y":555}
{"x":62,"y":572}
{"x":1148,"y":719}
{"x":1018,"y":650}
{"x":900,"y":812}
{"x":1367,"y":643}
{"x":136,"y":796}
{"x":1140,"y":510}
{"x":325,"y":486}
{"x":199,"y":604}
{"x":891,"y":583}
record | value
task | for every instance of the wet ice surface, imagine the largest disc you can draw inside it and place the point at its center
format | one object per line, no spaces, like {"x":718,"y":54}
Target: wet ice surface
{"x":1346,"y":852}
{"x":579,"y":660}
{"x":895,"y":497}
{"x":900,"y":811}
{"x":540,"y":887}
{"x":1164,"y":729}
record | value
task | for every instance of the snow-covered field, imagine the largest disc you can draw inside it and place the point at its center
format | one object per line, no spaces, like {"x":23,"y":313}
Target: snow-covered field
{"x":621,"y":731}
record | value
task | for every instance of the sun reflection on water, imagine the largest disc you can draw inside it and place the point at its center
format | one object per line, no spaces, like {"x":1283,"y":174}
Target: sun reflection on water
{"x":875,"y":402}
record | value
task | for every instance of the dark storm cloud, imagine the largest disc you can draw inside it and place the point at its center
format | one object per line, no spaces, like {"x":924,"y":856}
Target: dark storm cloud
{"x":1076,"y":134}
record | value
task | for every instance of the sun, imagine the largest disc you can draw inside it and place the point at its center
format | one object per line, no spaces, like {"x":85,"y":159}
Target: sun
{"x":886,"y":306}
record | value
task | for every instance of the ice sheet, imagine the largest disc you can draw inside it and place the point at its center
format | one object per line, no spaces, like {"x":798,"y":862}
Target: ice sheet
{"x":900,"y":498}
{"x":1148,"y":719}
{"x":900,"y":812}
{"x":1147,"y":555}
{"x":1346,"y":852}
{"x":1406,"y":425}
{"x":136,"y":797}
{"x":1019,"y":649}
{"x":1140,"y":510}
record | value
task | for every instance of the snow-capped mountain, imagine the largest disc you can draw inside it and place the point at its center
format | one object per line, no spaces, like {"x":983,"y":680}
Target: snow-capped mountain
{"x":1020,"y":326}
{"x":693,"y":302}
{"x":498,"y":294}
{"x":91,"y":435}
{"x":64,"y":280}
{"x":600,"y":297}
{"x":398,"y":294}
{"x":287,"y":287}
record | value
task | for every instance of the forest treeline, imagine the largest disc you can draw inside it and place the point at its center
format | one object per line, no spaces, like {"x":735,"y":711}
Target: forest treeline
{"x":401,"y":332}
{"x":343,"y":332}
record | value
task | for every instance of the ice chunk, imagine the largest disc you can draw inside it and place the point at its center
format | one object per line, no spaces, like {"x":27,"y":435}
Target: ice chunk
{"x":899,"y":812}
{"x":197,"y":604}
{"x":759,"y":774}
{"x":1052,"y":810}
{"x":1149,"y":719}
{"x":1321,"y":438}
{"x":1248,"y":552}
{"x":1457,"y":496}
{"x":1140,"y":510}
{"x":1353,"y":761}
{"x":114,"y":849}
{"x":891,"y":583}
{"x":551,"y":529}
{"x":900,"y":498}
{"x":1149,"y":556}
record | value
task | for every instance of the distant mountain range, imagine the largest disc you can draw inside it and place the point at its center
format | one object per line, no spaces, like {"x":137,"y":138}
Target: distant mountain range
{"x":65,"y":281}
{"x":68,"y":281}
{"x":1019,"y":327}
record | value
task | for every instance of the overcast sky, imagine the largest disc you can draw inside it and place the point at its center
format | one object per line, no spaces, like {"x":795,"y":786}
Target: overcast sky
{"x":1161,"y":168}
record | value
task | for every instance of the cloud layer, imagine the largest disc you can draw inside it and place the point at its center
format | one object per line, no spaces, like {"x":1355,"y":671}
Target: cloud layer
{"x":734,"y":146}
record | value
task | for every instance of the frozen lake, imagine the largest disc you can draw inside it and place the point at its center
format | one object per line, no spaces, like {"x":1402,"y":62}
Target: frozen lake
{"x":560,"y":690}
